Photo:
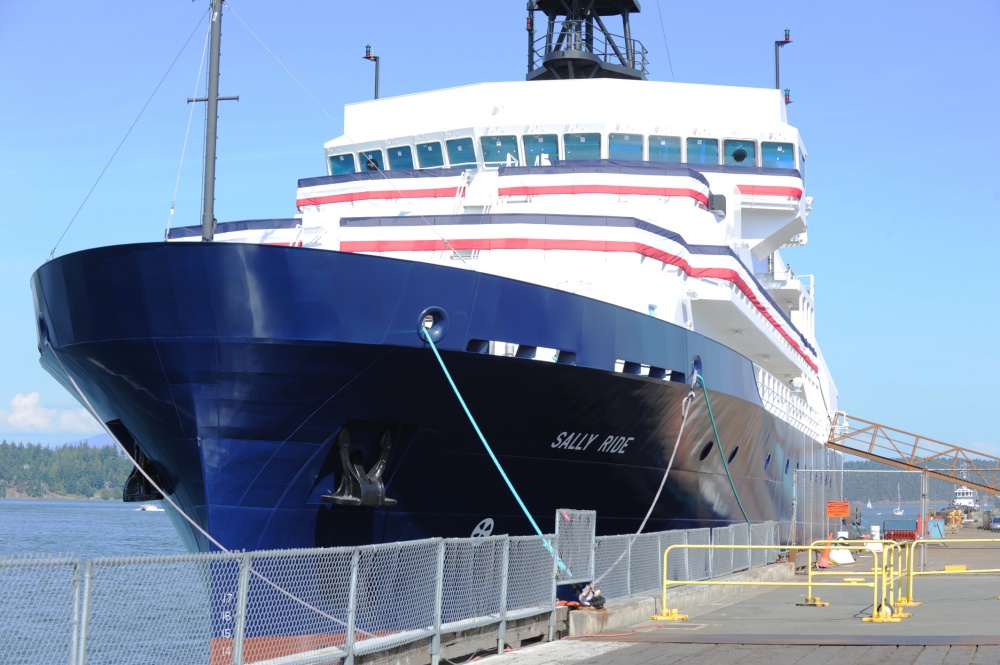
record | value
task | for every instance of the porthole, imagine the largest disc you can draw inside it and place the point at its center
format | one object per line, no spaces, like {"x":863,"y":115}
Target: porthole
{"x":767,"y":462}
{"x":732,"y":454}
{"x":706,"y":450}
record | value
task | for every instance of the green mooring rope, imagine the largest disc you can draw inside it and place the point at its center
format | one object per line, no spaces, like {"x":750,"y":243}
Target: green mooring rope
{"x":545,"y":541}
{"x":718,"y":444}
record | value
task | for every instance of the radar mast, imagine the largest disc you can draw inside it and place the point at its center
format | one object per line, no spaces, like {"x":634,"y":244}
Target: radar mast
{"x":578,"y":44}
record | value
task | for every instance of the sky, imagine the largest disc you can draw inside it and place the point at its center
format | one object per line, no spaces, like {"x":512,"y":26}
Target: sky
{"x":897,"y":103}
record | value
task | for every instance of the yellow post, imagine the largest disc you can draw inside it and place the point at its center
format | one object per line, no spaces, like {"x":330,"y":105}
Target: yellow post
{"x":906,"y":597}
{"x":668,"y":614}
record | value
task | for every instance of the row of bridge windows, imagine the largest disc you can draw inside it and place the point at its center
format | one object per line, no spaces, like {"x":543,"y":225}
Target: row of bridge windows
{"x":541,"y":149}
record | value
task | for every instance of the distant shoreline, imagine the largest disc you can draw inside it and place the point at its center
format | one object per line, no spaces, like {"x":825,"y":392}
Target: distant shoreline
{"x":19,"y":496}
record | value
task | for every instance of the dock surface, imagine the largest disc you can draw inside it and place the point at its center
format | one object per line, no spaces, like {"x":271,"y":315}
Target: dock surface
{"x":957,"y":623}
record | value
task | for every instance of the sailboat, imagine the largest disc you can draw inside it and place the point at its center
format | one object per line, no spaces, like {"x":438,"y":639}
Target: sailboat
{"x":869,"y":503}
{"x":898,"y":510}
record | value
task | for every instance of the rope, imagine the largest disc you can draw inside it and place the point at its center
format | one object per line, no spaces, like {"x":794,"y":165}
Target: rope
{"x":166,"y":497}
{"x":503,"y":474}
{"x":685,"y":408}
{"x":718,"y":443}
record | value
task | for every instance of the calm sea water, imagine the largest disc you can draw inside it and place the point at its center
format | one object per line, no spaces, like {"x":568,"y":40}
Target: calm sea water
{"x":84,"y":529}
{"x":151,"y":614}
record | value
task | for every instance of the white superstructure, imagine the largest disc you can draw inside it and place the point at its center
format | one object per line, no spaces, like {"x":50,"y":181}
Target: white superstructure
{"x":698,"y":189}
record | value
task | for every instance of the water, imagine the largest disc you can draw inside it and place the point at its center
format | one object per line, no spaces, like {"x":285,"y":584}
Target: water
{"x":84,"y":529}
{"x":151,"y":613}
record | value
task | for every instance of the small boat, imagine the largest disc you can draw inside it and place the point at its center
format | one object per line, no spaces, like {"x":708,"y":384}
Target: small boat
{"x":898,"y":510}
{"x":151,"y":507}
{"x":869,"y":503}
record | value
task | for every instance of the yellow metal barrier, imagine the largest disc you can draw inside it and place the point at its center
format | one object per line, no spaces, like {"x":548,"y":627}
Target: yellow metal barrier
{"x":911,"y":573}
{"x":883,"y":575}
{"x":891,"y":572}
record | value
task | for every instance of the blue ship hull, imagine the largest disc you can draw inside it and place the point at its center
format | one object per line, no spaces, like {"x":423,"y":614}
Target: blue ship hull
{"x":236,"y":369}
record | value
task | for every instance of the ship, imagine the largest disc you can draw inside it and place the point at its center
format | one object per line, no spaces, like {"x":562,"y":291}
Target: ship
{"x":580,"y":275}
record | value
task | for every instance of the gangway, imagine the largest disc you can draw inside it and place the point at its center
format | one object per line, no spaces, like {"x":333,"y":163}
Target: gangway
{"x":912,"y":452}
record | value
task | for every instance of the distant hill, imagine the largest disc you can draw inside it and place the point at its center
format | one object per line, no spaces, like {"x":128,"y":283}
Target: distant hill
{"x":81,"y":470}
{"x":94,"y":441}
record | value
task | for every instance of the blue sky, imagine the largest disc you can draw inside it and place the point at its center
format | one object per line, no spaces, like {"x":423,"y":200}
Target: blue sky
{"x":897,"y":102}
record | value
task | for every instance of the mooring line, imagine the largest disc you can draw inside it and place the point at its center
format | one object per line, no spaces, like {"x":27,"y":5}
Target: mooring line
{"x":426,"y":336}
{"x":93,"y":412}
{"x":718,"y":442}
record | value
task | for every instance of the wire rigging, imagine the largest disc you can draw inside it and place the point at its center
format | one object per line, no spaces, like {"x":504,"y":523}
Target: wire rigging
{"x":387,"y":180}
{"x":663,"y":30}
{"x":187,"y":131}
{"x":124,"y":138}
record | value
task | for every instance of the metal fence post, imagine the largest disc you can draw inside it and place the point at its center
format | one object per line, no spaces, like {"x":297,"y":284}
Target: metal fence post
{"x":795,"y":498}
{"x":659,"y":557}
{"x":438,"y":604}
{"x":352,"y":608}
{"x":75,"y":616}
{"x":555,"y":574}
{"x":628,"y":567}
{"x":242,"y":602}
{"x":687,"y":560}
{"x":504,"y":580}
{"x":88,"y":574}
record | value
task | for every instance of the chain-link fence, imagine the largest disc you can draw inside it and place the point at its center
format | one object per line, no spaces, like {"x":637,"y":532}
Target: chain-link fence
{"x":884,"y":498}
{"x":328,"y":605}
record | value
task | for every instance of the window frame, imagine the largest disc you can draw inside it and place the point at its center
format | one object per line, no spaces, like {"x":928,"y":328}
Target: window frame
{"x":566,"y":150}
{"x":354,"y":163}
{"x":440,"y":153}
{"x":472,"y":143}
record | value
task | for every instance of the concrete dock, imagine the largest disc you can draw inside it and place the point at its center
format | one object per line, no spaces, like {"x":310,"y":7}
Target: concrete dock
{"x":958,"y":622}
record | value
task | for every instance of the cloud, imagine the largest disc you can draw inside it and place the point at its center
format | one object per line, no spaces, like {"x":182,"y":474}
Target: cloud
{"x":26,"y":414}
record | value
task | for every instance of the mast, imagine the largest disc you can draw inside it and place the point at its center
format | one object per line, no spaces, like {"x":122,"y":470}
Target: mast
{"x":578,"y":43}
{"x":211,"y":125}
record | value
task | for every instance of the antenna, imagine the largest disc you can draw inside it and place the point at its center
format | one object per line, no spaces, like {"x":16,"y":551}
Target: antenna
{"x":577,"y":43}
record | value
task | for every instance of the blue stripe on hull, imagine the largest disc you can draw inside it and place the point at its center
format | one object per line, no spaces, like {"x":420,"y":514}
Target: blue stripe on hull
{"x":235,"y":367}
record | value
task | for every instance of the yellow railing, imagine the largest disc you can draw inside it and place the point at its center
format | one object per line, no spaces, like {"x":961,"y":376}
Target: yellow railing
{"x":885,"y":572}
{"x":907,"y":597}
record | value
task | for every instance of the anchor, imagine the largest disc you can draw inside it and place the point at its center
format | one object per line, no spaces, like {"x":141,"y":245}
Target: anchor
{"x":357,"y":487}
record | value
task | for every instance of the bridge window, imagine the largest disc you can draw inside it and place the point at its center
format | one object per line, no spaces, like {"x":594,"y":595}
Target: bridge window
{"x":665,"y":149}
{"x":371,"y":160}
{"x":777,"y":155}
{"x":741,"y":153}
{"x":500,"y":151}
{"x":702,"y":151}
{"x":537,"y":145}
{"x":429,"y":155}
{"x":461,"y":152}
{"x":582,"y":146}
{"x":400,"y":157}
{"x":625,"y":146}
{"x":341,"y":164}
